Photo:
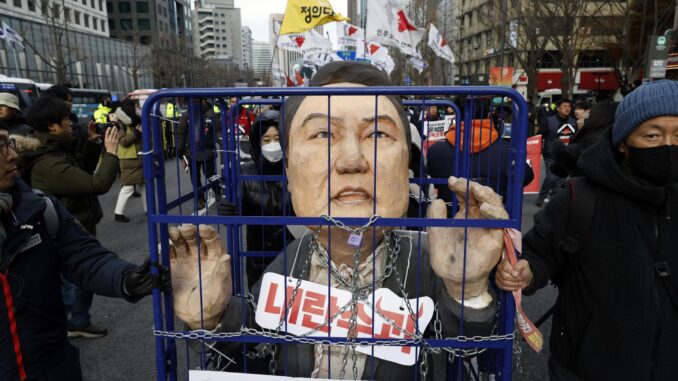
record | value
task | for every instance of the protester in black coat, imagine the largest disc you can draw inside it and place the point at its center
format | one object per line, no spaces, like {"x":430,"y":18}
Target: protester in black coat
{"x":617,"y":308}
{"x":39,"y":243}
{"x":11,"y":117}
{"x":263,"y":198}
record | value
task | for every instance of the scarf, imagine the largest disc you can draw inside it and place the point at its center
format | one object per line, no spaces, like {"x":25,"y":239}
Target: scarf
{"x":6,"y":203}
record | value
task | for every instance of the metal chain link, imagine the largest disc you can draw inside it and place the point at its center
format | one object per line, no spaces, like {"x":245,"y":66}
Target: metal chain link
{"x":426,"y":199}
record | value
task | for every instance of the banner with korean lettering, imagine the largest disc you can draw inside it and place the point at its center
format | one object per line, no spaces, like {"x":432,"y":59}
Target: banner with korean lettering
{"x":534,"y":160}
{"x":350,"y":35}
{"x":303,"y":15}
{"x":313,"y":306}
{"x":388,"y":25}
{"x":307,"y":43}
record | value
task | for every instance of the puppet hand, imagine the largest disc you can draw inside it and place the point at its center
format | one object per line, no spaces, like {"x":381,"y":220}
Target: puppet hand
{"x":215,"y":264}
{"x":483,"y":246}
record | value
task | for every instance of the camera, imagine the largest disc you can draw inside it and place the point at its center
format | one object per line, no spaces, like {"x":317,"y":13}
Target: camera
{"x":101,"y":127}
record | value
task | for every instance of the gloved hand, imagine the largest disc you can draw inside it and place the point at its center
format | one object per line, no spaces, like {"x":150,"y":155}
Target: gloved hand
{"x":226,"y":208}
{"x":139,"y":281}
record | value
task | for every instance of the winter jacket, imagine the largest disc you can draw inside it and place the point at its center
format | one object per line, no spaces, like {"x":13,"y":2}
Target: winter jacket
{"x":33,"y":263}
{"x":614,"y":319}
{"x":131,"y":165}
{"x":58,"y":170}
{"x":17,"y":124}
{"x":204,"y":134}
{"x":489,"y":160}
{"x":423,"y":282}
{"x":551,"y":131}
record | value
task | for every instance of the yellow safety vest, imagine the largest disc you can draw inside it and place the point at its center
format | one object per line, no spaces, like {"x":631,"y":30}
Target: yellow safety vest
{"x":101,"y":114}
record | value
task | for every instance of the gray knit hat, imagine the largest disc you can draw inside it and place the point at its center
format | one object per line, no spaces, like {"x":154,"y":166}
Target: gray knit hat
{"x":648,"y":101}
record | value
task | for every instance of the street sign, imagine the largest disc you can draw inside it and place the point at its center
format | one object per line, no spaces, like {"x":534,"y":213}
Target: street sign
{"x":657,"y":55}
{"x":347,"y":55}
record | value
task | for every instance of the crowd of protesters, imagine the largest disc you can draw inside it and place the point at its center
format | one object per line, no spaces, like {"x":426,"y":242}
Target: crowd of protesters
{"x":629,"y":165}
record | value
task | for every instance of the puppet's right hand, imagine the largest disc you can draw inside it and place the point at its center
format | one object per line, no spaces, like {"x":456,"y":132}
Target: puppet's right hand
{"x":215,"y":266}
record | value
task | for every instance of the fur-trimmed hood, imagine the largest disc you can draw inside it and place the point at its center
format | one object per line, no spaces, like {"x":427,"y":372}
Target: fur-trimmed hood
{"x":25,"y":143}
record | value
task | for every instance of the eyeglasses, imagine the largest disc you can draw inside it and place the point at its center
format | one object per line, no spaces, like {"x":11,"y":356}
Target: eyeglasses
{"x":5,"y":146}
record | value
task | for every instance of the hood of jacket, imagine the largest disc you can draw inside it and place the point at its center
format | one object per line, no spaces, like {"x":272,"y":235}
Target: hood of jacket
{"x":49,"y":143}
{"x":603,"y":164}
{"x":483,"y":135}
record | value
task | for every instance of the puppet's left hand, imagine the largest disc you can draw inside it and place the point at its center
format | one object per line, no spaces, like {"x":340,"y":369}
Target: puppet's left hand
{"x":483,"y":246}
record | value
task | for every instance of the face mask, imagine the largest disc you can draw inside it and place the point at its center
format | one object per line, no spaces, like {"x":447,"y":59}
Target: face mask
{"x":272,"y":152}
{"x":658,"y":165}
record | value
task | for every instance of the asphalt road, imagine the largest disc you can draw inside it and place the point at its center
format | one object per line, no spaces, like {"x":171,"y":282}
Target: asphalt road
{"x":128,"y":351}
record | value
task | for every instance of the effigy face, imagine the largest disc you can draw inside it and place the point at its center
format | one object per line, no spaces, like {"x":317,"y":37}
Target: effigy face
{"x":352,"y":135}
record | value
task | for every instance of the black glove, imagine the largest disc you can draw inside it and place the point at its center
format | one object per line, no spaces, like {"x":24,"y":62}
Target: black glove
{"x":227,"y":208}
{"x":139,"y":281}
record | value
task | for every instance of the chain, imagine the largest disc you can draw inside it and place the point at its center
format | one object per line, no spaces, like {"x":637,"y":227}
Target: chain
{"x":517,"y":351}
{"x":426,"y":199}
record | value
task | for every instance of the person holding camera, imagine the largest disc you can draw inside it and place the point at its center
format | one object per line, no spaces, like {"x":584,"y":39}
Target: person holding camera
{"x":131,"y":165}
{"x":58,"y":168}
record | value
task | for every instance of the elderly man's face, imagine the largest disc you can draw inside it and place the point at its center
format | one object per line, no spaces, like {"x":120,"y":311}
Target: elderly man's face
{"x":8,"y":170}
{"x":351,"y":141}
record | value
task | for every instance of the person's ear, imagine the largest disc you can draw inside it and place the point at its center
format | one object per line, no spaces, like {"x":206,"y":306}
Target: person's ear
{"x":623,"y":148}
{"x":53,"y":127}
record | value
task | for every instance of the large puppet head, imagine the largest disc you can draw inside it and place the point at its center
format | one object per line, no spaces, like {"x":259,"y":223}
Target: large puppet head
{"x":364,"y":138}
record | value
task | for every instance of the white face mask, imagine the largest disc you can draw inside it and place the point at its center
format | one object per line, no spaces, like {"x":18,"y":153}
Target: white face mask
{"x":272,"y":152}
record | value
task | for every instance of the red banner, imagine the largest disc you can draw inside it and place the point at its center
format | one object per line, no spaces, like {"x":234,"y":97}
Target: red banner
{"x":534,"y":159}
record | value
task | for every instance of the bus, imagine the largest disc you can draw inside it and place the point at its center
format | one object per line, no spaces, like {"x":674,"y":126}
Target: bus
{"x":24,"y":89}
{"x":86,"y":101}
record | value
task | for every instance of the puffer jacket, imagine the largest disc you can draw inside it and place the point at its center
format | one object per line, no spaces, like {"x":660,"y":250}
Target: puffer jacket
{"x":58,"y":170}
{"x":614,"y":317}
{"x":33,"y":263}
{"x":131,"y":164}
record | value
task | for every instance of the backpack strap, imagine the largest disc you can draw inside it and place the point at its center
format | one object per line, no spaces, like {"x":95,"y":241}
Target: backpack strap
{"x":49,"y":215}
{"x":580,"y":219}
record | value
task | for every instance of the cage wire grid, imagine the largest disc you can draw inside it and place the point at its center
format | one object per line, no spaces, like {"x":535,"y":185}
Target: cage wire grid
{"x":228,"y":158}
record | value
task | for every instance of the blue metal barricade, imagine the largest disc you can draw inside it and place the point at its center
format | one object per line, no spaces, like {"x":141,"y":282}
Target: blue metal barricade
{"x":213,"y":137}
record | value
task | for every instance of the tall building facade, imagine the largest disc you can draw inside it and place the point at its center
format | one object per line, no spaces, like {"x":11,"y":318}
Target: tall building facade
{"x":92,"y":59}
{"x":87,"y":16}
{"x":246,"y":38}
{"x":162,"y":23}
{"x":219,"y":33}
{"x":261,"y":60}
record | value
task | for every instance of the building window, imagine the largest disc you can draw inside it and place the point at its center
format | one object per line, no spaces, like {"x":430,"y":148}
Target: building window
{"x":76,"y":17}
{"x":144,"y":24}
{"x":31,"y":5}
{"x":101,"y":5}
{"x":109,"y":7}
{"x":95,"y":23}
{"x":124,"y":7}
{"x":490,"y":41}
{"x":86,"y":21}
{"x":126,"y":24}
{"x":67,"y":13}
{"x":103,"y":25}
{"x":159,"y":9}
{"x":111,"y":24}
{"x":92,"y":4}
{"x":146,"y":40}
{"x":17,"y":3}
{"x":142,"y":7}
{"x":84,"y":2}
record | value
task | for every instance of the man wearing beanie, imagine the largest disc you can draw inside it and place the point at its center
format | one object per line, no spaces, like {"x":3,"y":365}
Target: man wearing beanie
{"x":616,"y":316}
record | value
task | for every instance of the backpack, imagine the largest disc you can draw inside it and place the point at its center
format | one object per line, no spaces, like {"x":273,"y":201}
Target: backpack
{"x":49,"y":215}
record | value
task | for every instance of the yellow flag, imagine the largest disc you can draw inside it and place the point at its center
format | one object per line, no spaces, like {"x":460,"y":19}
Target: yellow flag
{"x":303,"y":15}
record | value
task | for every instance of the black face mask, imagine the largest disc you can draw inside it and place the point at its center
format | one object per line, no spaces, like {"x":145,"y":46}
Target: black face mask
{"x":658,"y":165}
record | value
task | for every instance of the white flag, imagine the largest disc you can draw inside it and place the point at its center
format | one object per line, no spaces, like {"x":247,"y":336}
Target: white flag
{"x":307,"y":43}
{"x":379,"y":57}
{"x":277,"y":75}
{"x":437,"y":43}
{"x":388,"y":24}
{"x":418,"y":63}
{"x":11,"y":35}
{"x":350,"y":35}
{"x":322,"y":59}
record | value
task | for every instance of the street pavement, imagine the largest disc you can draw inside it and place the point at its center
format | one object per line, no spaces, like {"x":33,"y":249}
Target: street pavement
{"x":128,"y":351}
